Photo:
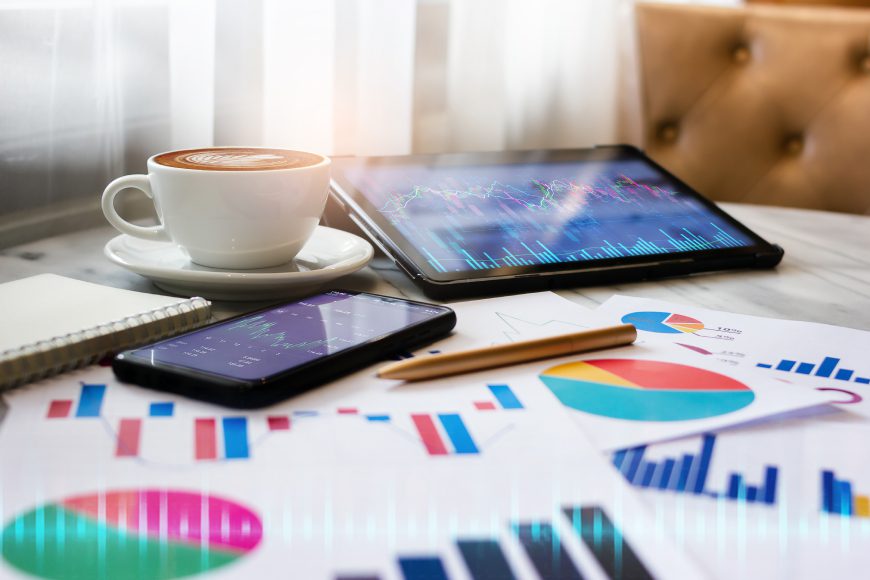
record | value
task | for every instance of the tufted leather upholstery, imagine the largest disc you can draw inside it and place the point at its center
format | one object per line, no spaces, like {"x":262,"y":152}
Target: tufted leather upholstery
{"x":761,"y":104}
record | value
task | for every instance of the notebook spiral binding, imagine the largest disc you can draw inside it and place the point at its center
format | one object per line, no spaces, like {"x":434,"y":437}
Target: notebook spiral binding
{"x":81,"y":348}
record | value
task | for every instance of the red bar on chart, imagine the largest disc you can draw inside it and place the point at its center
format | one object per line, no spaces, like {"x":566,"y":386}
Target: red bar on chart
{"x":347,"y":411}
{"x":205,"y":439}
{"x":59,"y":409}
{"x":429,"y":434}
{"x":129,"y":433}
{"x":278,"y":423}
{"x":484,"y":405}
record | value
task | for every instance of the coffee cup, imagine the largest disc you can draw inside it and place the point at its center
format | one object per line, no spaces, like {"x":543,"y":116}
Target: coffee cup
{"x":230,"y":207}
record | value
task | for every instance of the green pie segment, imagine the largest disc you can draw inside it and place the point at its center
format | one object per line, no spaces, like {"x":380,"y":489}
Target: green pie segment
{"x":640,"y":390}
{"x":146,"y":535}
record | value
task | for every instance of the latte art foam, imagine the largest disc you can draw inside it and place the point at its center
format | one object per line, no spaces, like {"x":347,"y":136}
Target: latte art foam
{"x":237,"y":159}
{"x":233,"y":160}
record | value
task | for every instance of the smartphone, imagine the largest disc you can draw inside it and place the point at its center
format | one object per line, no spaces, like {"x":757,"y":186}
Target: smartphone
{"x":266,"y":356}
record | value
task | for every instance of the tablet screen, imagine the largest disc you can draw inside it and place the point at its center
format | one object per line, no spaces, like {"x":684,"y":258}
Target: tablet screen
{"x":461,"y":217}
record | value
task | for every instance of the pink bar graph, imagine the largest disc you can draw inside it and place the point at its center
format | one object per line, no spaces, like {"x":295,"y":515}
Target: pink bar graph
{"x":129,"y":434}
{"x":429,"y":434}
{"x":205,"y":436}
{"x":278,"y":423}
{"x":59,"y":409}
{"x":484,"y":406}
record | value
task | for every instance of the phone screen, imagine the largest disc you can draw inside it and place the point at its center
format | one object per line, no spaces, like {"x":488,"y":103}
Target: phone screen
{"x":271,"y":341}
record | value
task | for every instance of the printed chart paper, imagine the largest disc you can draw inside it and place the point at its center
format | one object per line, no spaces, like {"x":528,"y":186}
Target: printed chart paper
{"x":370,"y":489}
{"x":363,"y":478}
{"x":651,"y":392}
{"x":834,"y":360}
{"x":628,"y":395}
{"x":780,"y":501}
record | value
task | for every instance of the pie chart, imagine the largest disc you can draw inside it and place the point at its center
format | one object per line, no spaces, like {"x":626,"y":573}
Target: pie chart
{"x":663,"y":322}
{"x":644,"y":390}
{"x":149,"y":534}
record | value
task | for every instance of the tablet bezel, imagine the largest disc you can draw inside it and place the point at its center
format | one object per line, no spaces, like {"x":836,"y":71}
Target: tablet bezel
{"x":416,"y":265}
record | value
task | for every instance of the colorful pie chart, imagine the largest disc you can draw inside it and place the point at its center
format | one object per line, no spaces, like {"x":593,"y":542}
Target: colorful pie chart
{"x":643,"y":390}
{"x":663,"y":322}
{"x":148,"y":534}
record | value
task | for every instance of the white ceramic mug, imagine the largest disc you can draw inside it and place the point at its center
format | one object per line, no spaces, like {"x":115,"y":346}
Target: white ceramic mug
{"x":230,"y":207}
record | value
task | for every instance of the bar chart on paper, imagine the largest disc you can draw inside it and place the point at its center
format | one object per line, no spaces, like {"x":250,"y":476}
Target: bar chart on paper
{"x":505,"y":398}
{"x":840,"y":498}
{"x":688,"y":474}
{"x":213,"y":438}
{"x":452,"y":429}
{"x":643,"y":390}
{"x":233,"y":437}
{"x":828,"y":368}
{"x":542,"y":543}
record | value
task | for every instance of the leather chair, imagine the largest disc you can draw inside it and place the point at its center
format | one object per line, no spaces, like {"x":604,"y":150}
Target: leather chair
{"x":759,"y":104}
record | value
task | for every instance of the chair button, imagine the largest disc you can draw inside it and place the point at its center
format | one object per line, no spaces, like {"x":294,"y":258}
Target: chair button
{"x":741,"y":54}
{"x":669,"y":132}
{"x":794,"y":145}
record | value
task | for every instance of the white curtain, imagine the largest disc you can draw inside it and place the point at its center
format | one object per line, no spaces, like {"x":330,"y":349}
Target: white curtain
{"x":90,"y":89}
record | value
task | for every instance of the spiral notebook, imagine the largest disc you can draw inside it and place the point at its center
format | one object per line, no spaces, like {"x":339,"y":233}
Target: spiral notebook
{"x":50,"y":324}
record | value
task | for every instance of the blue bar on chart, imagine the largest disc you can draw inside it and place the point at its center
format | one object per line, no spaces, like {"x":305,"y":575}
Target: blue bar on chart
{"x":827,"y":367}
{"x":458,"y":434}
{"x":601,"y":536}
{"x":162,"y":409}
{"x":378,"y":418}
{"x":485,"y":560}
{"x":633,"y":462}
{"x":689,"y":474}
{"x":699,"y":482}
{"x":785,"y":365}
{"x":682,"y":469}
{"x":646,"y":475}
{"x":236,"y":438}
{"x":546,"y":552}
{"x":805,"y":368}
{"x":422,"y":568}
{"x":91,"y":400}
{"x":828,"y":492}
{"x":736,"y":488}
{"x":664,"y":476}
{"x":767,"y":493}
{"x":505,"y":396}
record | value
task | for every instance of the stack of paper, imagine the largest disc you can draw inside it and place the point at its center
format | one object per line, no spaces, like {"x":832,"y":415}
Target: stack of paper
{"x":782,"y":499}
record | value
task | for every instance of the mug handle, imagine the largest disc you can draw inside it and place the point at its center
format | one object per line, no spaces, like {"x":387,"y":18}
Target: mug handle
{"x":140,"y":182}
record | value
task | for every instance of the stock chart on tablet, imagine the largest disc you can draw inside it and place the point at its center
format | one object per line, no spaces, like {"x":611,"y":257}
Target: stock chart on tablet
{"x":493,"y":216}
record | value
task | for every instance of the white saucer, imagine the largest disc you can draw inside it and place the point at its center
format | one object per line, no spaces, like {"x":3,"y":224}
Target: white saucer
{"x":328,"y":255}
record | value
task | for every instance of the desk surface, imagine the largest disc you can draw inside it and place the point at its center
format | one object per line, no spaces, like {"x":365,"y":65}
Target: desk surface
{"x":824,"y":277}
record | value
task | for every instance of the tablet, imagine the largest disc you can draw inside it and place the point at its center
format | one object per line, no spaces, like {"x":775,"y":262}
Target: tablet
{"x":480,"y":223}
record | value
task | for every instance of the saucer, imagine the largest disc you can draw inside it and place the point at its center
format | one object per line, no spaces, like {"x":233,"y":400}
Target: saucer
{"x":329,"y":254}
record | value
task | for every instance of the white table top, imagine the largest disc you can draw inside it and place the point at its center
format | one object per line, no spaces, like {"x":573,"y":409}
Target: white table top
{"x":824,"y":277}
